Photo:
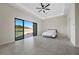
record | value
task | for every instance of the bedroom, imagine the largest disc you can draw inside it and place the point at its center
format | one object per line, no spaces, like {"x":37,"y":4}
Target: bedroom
{"x":61,"y":19}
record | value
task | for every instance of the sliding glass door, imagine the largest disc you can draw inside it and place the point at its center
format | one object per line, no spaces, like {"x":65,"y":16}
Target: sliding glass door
{"x":19,"y":29}
{"x":24,"y":29}
{"x":28,"y":29}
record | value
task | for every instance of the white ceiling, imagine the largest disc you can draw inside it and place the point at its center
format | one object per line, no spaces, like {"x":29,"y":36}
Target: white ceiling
{"x":57,"y":9}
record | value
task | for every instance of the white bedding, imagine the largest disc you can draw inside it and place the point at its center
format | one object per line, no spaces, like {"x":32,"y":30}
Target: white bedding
{"x":50,"y":33}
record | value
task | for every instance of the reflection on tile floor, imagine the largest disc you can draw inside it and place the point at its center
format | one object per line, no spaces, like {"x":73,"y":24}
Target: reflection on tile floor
{"x":39,"y":46}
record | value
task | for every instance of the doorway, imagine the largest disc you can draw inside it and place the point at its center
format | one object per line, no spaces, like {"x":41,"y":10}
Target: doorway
{"x":24,"y":29}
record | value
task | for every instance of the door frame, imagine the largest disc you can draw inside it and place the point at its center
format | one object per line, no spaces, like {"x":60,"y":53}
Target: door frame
{"x":35,"y":34}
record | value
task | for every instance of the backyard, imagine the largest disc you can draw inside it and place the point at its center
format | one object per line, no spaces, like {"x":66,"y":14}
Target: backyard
{"x":19,"y":30}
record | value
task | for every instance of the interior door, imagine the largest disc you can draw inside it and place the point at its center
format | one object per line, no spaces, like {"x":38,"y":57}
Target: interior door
{"x":19,"y":29}
{"x":34,"y":29}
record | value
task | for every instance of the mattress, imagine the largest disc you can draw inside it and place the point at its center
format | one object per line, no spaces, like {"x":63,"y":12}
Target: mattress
{"x":50,"y":33}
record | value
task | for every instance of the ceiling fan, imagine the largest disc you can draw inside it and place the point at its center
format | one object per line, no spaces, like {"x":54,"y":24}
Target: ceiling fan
{"x":43,"y":7}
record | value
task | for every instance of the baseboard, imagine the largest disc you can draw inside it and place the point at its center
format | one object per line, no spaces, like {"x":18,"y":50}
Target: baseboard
{"x":6,"y":42}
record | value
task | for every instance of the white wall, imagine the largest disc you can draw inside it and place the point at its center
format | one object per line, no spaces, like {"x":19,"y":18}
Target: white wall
{"x":59,"y":23}
{"x":71,"y":24}
{"x":74,"y":24}
{"x":7,"y":15}
{"x":77,"y":24}
{"x":68,"y":27}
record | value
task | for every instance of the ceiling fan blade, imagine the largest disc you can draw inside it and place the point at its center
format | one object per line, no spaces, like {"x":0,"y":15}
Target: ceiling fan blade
{"x":47,"y":5}
{"x":38,"y":8}
{"x":47,"y":9}
{"x":43,"y":11}
{"x":42,"y":5}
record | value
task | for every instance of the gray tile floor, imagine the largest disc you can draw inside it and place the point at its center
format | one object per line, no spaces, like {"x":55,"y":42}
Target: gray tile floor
{"x":39,"y":46}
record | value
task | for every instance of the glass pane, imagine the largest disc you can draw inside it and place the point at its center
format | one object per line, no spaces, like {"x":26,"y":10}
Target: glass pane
{"x":28,"y":29}
{"x":19,"y":29}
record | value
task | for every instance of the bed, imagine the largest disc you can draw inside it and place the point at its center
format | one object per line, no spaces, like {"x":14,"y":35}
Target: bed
{"x":50,"y":33}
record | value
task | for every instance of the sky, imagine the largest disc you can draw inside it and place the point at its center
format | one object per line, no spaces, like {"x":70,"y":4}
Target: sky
{"x":26,"y":23}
